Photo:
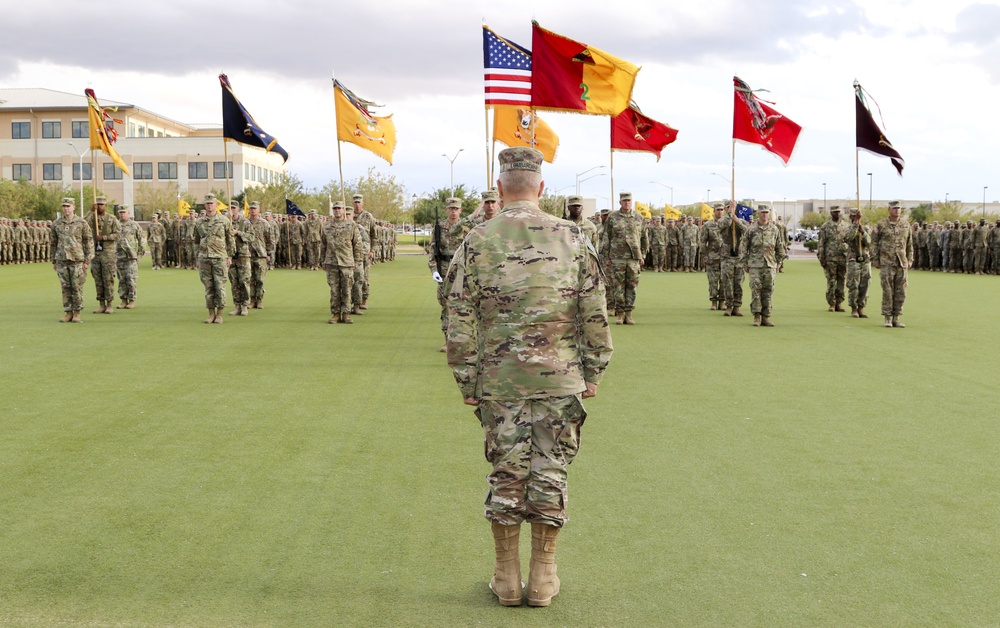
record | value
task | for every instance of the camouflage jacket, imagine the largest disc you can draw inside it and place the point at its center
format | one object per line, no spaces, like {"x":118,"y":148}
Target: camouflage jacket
{"x":858,"y":240}
{"x":314,"y":229}
{"x":214,"y":237}
{"x":657,"y":235}
{"x":892,"y":243}
{"x":71,"y":241}
{"x":262,"y":241}
{"x":831,"y":246}
{"x":731,"y":230}
{"x":625,"y":236}
{"x":588,"y":229}
{"x":108,"y":228}
{"x":294,"y":231}
{"x":526,"y":312}
{"x":243,"y":235}
{"x":762,"y":247}
{"x":689,"y":235}
{"x":366,"y":224}
{"x":157,"y":233}
{"x":451,"y":237}
{"x":131,"y":241}
{"x":342,"y":244}
{"x":711,"y":241}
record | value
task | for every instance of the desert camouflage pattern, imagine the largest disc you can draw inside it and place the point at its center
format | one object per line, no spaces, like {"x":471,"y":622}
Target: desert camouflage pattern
{"x":71,"y":245}
{"x":761,"y":250}
{"x":731,"y":230}
{"x":104,"y":265}
{"x":832,"y":253}
{"x":530,"y":444}
{"x":526,"y":311}
{"x":892,"y":250}
{"x":711,"y":244}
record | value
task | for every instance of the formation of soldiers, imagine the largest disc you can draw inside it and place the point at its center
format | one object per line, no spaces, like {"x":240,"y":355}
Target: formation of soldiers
{"x":24,"y":241}
{"x":954,"y":247}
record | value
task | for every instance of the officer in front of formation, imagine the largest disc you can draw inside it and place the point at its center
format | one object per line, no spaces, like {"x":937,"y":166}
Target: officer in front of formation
{"x":72,"y":248}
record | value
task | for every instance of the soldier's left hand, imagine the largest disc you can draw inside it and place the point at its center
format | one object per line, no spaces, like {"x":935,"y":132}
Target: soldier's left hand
{"x":470,"y":401}
{"x":591,"y":391}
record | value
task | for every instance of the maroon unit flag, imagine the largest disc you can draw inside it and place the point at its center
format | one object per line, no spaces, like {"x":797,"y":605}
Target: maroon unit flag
{"x":633,"y":131}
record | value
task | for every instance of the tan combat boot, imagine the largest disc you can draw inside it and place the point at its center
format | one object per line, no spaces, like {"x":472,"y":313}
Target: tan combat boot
{"x":108,"y":309}
{"x":628,"y":318}
{"x":346,"y":318}
{"x":728,"y":312}
{"x":861,"y":313}
{"x":243,"y":310}
{"x":888,"y":322}
{"x":236,"y":310}
{"x":506,"y":582}
{"x":211,"y":316}
{"x":121,"y":306}
{"x":830,"y":309}
{"x":765,"y":321}
{"x":897,"y":323}
{"x":218,"y":316}
{"x":756,"y":320}
{"x":100,"y":310}
{"x":130,"y":305}
{"x":854,"y":312}
{"x":839,"y":307}
{"x":67,"y":317}
{"x":737,"y":312}
{"x":713,"y":307}
{"x":334,"y":318}
{"x":364,"y":304}
{"x":76,"y":317}
{"x":357,"y":310}
{"x":620,"y":317}
{"x":543,"y":583}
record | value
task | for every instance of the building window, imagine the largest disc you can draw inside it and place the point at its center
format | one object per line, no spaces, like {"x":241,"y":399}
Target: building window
{"x":87,"y":172}
{"x":167,"y":169}
{"x":81,"y":129}
{"x":219,"y":170}
{"x":142,"y":131}
{"x":112,"y":172}
{"x":52,"y":172}
{"x":20,"y":130}
{"x":142,"y":170}
{"x":51,"y":130}
{"x":132,"y":129}
{"x":246,"y":171}
{"x":22,"y":171}
{"x":198,"y":170}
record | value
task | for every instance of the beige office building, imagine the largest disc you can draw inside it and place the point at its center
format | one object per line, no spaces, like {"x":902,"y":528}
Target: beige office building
{"x":44,"y":132}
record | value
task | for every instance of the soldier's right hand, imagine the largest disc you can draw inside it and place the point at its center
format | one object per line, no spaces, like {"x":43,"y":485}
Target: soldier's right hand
{"x":437,"y":277}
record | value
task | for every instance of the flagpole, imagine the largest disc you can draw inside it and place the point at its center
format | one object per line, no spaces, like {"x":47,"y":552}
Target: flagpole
{"x":611,"y":151}
{"x":489,"y":158}
{"x":732,"y":175}
{"x":857,"y":176}
{"x":225,"y":169}
{"x":340,"y":162}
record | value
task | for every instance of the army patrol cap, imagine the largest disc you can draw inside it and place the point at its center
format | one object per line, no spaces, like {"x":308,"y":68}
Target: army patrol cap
{"x":520,"y":158}
{"x":453,"y":202}
{"x":255,"y":205}
{"x":337,"y":205}
{"x":312,"y":211}
{"x":854,"y":211}
{"x":764,"y":208}
{"x":101,"y":200}
{"x":605,"y":211}
{"x":834,"y":208}
{"x":491,"y":195}
{"x":718,"y":205}
{"x":625,"y":196}
{"x":234,"y":204}
{"x":358,"y":198}
{"x":210,"y":198}
{"x":67,"y":202}
{"x":893,"y":203}
{"x":258,"y":205}
{"x":121,"y":208}
{"x":574,"y":200}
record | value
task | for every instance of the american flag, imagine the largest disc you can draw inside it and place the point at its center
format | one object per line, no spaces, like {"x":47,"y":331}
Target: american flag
{"x":507,"y":71}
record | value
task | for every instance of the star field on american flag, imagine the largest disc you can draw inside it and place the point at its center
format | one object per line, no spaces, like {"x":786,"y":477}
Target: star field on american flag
{"x":507,"y":71}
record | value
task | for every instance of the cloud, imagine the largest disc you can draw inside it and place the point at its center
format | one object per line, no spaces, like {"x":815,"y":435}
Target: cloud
{"x":976,"y":26}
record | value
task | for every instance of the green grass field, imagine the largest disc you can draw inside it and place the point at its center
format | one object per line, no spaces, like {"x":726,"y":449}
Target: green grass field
{"x":279,"y":471}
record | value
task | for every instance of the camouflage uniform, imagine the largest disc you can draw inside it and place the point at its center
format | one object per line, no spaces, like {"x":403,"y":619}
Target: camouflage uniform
{"x":624,"y":244}
{"x":157,"y":238}
{"x":440,"y":257}
{"x":892,"y":250}
{"x":969,"y":248}
{"x":213,"y":235}
{"x":527,"y":329}
{"x":711,"y":246}
{"x":689,"y":242}
{"x":858,"y":239}
{"x":732,"y":230}
{"x":239,"y":271}
{"x":294,"y":238}
{"x":674,"y":248}
{"x":343,"y":251}
{"x":658,"y":245}
{"x":71,"y":248}
{"x":760,"y":253}
{"x":832,"y":253}
{"x":994,"y":240}
{"x":955,"y":248}
{"x":366,"y":223}
{"x":980,"y":246}
{"x":314,"y":237}
{"x":262,"y":246}
{"x":131,"y":247}
{"x":20,"y":241}
{"x":102,"y":268}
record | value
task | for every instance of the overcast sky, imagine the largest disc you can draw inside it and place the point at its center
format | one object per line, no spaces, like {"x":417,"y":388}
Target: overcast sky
{"x":932,"y":66}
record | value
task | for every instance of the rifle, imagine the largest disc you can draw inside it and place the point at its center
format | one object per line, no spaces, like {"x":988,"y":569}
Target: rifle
{"x":437,"y":242}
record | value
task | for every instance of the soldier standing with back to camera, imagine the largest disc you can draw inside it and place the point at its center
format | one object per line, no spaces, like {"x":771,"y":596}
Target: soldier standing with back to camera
{"x":528,"y":340}
{"x":107,"y":230}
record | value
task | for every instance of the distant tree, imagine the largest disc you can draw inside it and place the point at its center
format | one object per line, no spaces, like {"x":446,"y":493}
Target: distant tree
{"x":552,"y":204}
{"x":149,"y":200}
{"x":921,"y":213}
{"x":423,"y":211}
{"x":22,"y":199}
{"x":384,"y":195}
{"x":812,"y":220}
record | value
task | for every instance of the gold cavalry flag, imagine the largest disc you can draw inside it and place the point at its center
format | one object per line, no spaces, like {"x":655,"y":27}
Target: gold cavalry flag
{"x":102,"y":130}
{"x":356,"y":124}
{"x":671,"y":212}
{"x":643,"y":210}
{"x":707,"y":212}
{"x":513,"y":126}
{"x":183,"y":207}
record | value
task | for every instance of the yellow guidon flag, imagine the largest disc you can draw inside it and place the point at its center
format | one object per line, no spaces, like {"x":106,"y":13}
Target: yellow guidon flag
{"x":671,"y":212}
{"x":183,"y":207}
{"x":356,"y":124}
{"x":514,"y":127}
{"x":643,"y":210}
{"x":707,"y":212}
{"x":102,"y":130}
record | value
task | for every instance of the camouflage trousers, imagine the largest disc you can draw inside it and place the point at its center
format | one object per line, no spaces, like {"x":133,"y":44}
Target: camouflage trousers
{"x":893,"y":279}
{"x":761,"y":290}
{"x":128,"y":277}
{"x":995,"y":252}
{"x":609,"y":287}
{"x":258,"y":271}
{"x":102,"y":269}
{"x":156,"y":252}
{"x":530,"y":444}
{"x":441,"y":297}
{"x":970,"y":260}
{"x":690,"y":255}
{"x":341,"y":281}
{"x":312,"y":254}
{"x":954,"y":258}
{"x":212,"y":272}
{"x":836,"y":274}
{"x":626,"y":279}
{"x":731,"y":282}
{"x":659,"y":252}
{"x":71,"y":279}
{"x":365,"y":286}
{"x":673,"y":256}
{"x":859,"y":275}
{"x":713,"y":268}
{"x":358,"y":291}
{"x":239,"y":277}
{"x":294,"y":255}
{"x":980,"y":258}
{"x":170,"y":253}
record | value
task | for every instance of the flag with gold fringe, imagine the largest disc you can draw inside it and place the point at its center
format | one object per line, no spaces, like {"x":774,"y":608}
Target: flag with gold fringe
{"x":356,"y":125}
{"x":238,"y":125}
{"x":102,"y":130}
{"x":515,"y":126}
{"x":570,"y":76}
{"x":635,"y":132}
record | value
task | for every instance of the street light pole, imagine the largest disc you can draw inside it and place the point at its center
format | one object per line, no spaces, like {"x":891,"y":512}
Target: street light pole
{"x":984,"y":200}
{"x":824,"y":196}
{"x":869,"y":191}
{"x":708,"y":195}
{"x":452,"y":160}
{"x":581,"y":173}
{"x":80,"y":155}
{"x":669,"y":188}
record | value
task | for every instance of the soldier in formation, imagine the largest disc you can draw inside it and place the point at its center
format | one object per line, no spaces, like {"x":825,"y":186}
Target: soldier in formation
{"x":72,"y":248}
{"x":130,"y":249}
{"x":527,"y":385}
{"x":574,"y":213}
{"x":156,"y":237}
{"x":262,"y":246}
{"x":761,"y":251}
{"x":732,"y":230}
{"x":213,"y":235}
{"x":239,"y":270}
{"x":711,"y":245}
{"x":623,"y":248}
{"x":106,"y":231}
{"x":444,"y":241}
{"x":858,"y":241}
{"x":832,"y":253}
{"x":343,"y":251}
